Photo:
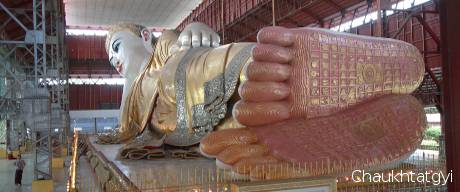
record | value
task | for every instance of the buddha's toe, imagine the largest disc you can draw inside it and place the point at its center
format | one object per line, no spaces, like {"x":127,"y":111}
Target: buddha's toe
{"x":264,"y":96}
{"x":260,"y":113}
{"x":217,"y":141}
{"x":234,"y":153}
{"x":263,"y":91}
{"x":276,"y":35}
{"x":268,"y":71}
{"x":271,"y":53}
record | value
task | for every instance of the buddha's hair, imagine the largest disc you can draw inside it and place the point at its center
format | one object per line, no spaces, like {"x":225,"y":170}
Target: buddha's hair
{"x":128,"y":27}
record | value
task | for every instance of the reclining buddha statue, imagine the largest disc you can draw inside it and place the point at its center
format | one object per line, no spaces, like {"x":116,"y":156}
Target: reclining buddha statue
{"x":300,"y":95}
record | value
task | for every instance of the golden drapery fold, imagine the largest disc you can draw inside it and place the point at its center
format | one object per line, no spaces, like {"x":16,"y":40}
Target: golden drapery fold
{"x":151,"y":101}
{"x":206,"y":70}
{"x":140,"y":100}
{"x":163,"y":48}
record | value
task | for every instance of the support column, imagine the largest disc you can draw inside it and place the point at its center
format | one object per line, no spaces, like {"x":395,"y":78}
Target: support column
{"x":44,"y":40}
{"x":450,"y":51}
{"x":273,"y":13}
{"x":378,"y":24}
{"x":8,"y":134}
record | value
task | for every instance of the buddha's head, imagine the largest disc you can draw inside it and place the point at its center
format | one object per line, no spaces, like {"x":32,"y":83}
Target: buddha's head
{"x":128,"y":46}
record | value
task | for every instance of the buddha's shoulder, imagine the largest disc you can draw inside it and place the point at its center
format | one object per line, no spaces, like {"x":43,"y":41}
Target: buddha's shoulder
{"x":168,"y":35}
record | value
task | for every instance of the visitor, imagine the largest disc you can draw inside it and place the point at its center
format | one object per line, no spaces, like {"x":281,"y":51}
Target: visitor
{"x":9,"y":153}
{"x":20,"y":164}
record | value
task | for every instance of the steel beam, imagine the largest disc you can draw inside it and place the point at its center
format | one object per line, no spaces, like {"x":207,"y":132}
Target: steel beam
{"x":43,"y":144}
{"x":256,"y":17}
{"x":293,"y":12}
{"x":12,"y":16}
{"x":5,"y":23}
{"x":313,"y":15}
{"x":402,"y":26}
{"x":432,"y":76}
{"x":13,"y":42}
{"x":297,"y":24}
{"x":3,"y":61}
{"x":337,"y":6}
{"x":304,"y":10}
{"x":409,"y":11}
{"x":428,"y":29}
{"x":247,"y":25}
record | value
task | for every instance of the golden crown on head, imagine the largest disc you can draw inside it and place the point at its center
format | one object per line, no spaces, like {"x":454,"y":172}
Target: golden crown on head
{"x":128,"y":27}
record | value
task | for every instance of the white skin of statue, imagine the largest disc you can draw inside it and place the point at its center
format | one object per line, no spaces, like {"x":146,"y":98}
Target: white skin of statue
{"x":129,"y":53}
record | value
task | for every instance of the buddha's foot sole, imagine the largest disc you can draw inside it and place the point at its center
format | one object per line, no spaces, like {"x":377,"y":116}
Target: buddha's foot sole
{"x":370,"y":134}
{"x":310,"y":72}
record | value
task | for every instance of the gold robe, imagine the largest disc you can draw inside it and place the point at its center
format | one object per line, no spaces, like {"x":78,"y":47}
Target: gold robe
{"x":143,"y":92}
{"x":201,"y":83}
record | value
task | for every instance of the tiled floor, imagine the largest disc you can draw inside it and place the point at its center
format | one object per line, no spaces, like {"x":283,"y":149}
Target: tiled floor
{"x":7,"y":171}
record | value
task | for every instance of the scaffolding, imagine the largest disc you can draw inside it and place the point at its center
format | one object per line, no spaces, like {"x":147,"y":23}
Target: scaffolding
{"x":34,"y":65}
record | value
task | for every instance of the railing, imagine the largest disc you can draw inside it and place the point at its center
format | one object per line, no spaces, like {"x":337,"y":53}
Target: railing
{"x":192,"y":178}
{"x":78,"y":149}
{"x":71,"y":187}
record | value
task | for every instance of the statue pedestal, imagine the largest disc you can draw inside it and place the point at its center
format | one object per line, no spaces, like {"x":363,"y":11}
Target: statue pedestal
{"x":321,"y":184}
{"x":163,"y":173}
{"x":184,"y":175}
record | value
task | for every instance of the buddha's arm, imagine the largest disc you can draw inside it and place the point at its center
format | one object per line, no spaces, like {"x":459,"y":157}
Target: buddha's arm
{"x":126,"y":89}
{"x":201,"y":82}
{"x":162,"y":51}
{"x":116,"y":137}
{"x":139,"y":101}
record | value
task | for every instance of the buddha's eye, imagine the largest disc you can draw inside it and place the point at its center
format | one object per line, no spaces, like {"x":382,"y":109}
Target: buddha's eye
{"x":115,"y":48}
{"x":116,"y":45}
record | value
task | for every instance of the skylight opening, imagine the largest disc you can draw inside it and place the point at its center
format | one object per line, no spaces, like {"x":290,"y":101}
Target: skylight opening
{"x":98,"y":81}
{"x":87,"y":81}
{"x":86,"y":32}
{"x":405,"y":4}
{"x":95,"y":32}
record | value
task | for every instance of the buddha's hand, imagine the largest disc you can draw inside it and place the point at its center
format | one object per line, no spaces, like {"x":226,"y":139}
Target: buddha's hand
{"x":197,"y":35}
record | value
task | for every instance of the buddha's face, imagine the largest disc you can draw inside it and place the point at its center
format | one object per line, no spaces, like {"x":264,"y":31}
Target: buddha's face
{"x":126,"y":53}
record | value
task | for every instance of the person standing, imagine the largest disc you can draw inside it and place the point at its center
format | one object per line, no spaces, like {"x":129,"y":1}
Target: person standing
{"x":20,"y":164}
{"x":9,"y":152}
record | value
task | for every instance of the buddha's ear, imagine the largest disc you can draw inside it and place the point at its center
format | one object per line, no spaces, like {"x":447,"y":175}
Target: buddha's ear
{"x":146,"y":35}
